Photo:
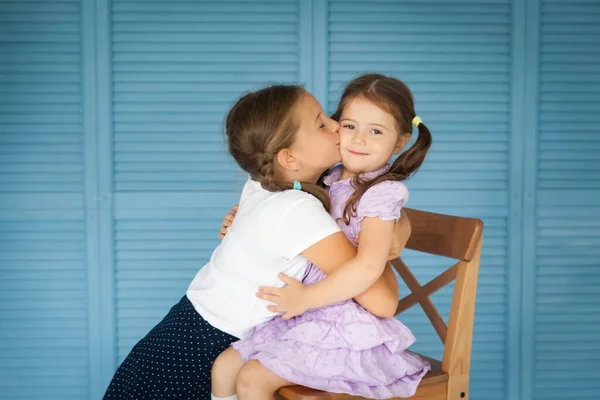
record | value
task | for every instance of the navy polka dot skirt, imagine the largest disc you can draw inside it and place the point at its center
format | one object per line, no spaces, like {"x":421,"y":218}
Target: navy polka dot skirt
{"x":173,"y":361}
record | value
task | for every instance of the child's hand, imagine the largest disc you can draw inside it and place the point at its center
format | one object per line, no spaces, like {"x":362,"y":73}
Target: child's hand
{"x":290,"y":299}
{"x":227,"y":221}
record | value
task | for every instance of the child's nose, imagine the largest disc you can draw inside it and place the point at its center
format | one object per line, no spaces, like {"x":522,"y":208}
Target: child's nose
{"x":359,"y":137}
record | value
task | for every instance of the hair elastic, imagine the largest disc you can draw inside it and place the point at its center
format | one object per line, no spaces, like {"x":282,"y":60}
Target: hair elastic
{"x":416,"y":121}
{"x":297,"y":185}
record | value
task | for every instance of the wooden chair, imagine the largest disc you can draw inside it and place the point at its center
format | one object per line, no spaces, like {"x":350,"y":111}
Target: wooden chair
{"x":442,"y":235}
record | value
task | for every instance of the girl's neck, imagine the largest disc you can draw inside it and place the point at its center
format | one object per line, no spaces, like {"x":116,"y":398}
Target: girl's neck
{"x":346,"y":174}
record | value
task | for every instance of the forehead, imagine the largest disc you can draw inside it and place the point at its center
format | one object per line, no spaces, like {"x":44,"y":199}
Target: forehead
{"x":359,"y":107}
{"x":308,"y":108}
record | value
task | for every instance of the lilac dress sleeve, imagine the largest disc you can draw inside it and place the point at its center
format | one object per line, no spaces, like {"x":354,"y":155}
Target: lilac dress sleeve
{"x":383,"y":201}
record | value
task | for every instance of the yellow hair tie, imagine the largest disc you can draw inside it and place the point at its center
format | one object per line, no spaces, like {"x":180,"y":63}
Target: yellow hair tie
{"x":416,"y":121}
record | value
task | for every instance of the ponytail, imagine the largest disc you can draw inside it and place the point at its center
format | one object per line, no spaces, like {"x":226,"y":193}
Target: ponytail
{"x":411,"y":160}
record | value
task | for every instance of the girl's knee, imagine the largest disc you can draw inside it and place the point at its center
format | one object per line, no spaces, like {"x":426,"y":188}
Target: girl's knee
{"x":224,"y":371}
{"x":227,"y":361}
{"x":252,"y":378}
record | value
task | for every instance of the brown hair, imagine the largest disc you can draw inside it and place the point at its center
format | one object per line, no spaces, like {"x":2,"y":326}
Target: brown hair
{"x":258,"y":126}
{"x":393,"y":96}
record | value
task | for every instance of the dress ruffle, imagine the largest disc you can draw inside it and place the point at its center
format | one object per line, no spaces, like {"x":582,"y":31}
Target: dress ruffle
{"x":341,"y":348}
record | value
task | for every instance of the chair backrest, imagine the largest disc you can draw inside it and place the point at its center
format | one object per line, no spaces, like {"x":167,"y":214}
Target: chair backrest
{"x":454,"y":237}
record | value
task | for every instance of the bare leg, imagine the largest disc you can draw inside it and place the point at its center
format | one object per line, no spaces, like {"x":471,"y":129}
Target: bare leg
{"x":255,"y":382}
{"x":224,"y":372}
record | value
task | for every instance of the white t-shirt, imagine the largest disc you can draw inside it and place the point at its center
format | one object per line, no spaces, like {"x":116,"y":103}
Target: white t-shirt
{"x":268,"y":234}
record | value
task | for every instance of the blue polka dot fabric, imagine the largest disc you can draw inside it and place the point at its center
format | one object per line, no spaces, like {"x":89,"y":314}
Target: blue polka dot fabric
{"x":173,"y":361}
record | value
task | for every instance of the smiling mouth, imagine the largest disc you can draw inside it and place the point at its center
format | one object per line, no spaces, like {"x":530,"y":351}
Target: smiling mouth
{"x":356,"y":153}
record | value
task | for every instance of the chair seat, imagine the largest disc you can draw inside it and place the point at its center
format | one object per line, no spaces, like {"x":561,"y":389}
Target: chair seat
{"x":433,"y":377}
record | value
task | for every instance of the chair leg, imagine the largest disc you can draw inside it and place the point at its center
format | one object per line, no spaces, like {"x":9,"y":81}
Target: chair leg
{"x":458,"y":387}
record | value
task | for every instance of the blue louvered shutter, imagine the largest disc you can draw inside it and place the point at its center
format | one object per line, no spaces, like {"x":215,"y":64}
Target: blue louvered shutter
{"x":456,"y":59}
{"x":567,"y":287}
{"x":177,"y":67}
{"x":43,"y":302}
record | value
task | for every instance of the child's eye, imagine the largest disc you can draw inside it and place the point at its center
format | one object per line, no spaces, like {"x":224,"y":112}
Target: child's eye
{"x":376,"y":132}
{"x":349,"y":126}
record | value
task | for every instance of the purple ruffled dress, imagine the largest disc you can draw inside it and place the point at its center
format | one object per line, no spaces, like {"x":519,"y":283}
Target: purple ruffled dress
{"x":343,"y":348}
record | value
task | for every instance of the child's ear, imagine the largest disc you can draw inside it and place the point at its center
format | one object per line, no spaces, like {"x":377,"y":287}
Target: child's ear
{"x":402,"y":141}
{"x":286,"y":159}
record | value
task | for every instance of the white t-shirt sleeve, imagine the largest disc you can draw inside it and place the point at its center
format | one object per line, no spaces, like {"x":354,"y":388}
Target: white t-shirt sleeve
{"x":303,"y":224}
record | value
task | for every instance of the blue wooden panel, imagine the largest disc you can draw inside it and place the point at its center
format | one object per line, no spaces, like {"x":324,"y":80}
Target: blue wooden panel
{"x":567,"y":217}
{"x":43,"y":291}
{"x":40,"y":98}
{"x":98,"y":199}
{"x":456,"y":57}
{"x":43,"y":310}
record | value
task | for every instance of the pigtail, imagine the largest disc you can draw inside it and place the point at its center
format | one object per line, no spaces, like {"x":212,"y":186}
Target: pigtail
{"x":411,"y":160}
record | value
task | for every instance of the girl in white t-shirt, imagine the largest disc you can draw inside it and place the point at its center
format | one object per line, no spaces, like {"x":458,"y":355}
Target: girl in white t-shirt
{"x":283,"y":140}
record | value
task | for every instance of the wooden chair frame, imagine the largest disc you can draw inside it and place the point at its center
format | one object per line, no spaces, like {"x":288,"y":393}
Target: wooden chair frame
{"x":449,"y":236}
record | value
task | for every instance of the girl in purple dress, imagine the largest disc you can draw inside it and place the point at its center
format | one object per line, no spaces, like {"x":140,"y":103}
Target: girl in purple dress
{"x":341,"y":347}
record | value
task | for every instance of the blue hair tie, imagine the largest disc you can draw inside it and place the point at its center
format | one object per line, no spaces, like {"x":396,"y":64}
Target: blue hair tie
{"x":297,"y":185}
